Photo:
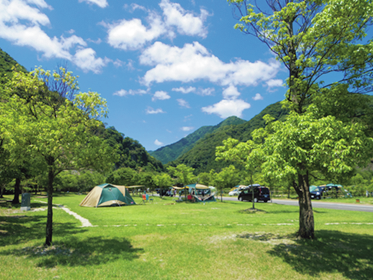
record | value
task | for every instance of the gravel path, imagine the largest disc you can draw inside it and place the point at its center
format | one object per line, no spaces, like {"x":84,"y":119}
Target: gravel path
{"x":84,"y":221}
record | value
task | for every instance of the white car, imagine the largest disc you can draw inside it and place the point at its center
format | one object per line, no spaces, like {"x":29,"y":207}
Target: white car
{"x":234,"y":192}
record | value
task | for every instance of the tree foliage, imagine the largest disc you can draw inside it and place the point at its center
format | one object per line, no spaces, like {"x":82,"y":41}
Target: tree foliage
{"x":51,"y":129}
{"x":322,"y":44}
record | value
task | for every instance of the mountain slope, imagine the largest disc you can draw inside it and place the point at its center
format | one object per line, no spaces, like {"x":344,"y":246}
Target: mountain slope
{"x":132,"y":153}
{"x":173,"y":151}
{"x":202,"y":155}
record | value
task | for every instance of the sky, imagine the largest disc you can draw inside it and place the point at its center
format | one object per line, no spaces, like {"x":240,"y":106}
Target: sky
{"x":166,"y":68}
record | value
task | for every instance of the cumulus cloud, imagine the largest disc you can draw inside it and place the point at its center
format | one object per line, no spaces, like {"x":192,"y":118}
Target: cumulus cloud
{"x":158,"y":143}
{"x":231,"y":92}
{"x":123,"y":92}
{"x":183,"y":103}
{"x":275,"y":83}
{"x":194,"y":62}
{"x":187,"y":128}
{"x":87,"y":61}
{"x":160,"y":95}
{"x":100,"y":3}
{"x":185,"y":22}
{"x":20,"y":23}
{"x":258,"y":97}
{"x":184,"y":90}
{"x":132,"y":34}
{"x":151,"y":111}
{"x":227,"y":108}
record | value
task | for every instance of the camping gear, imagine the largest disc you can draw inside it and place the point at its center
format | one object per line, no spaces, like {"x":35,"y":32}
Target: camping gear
{"x":202,"y":193}
{"x":108,"y":195}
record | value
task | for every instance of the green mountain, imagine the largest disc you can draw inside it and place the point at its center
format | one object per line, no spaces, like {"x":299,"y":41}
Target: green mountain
{"x":202,"y":155}
{"x":173,"y":151}
{"x":6,"y":65}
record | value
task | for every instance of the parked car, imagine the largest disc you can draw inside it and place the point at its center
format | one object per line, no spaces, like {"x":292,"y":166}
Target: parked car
{"x":316,"y":192}
{"x":261,"y":193}
{"x":234,"y":192}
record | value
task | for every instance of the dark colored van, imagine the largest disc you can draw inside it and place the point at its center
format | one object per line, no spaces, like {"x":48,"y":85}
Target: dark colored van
{"x":261,"y":193}
{"x":316,"y":192}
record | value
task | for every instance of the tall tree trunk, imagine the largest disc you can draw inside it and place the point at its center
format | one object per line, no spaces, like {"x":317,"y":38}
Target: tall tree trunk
{"x":16,"y":191}
{"x":1,"y":191}
{"x":306,"y":221}
{"x":49,"y":227}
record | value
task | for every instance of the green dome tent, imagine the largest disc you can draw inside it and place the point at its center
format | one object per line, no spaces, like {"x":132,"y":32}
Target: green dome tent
{"x":107,"y":195}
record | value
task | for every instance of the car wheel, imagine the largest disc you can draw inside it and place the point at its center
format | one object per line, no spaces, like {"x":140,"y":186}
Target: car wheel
{"x":265,"y":200}
{"x":241,"y":198}
{"x":255,"y":200}
{"x":319,"y":197}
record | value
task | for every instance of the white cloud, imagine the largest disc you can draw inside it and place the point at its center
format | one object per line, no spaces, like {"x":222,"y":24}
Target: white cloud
{"x":205,"y":91}
{"x":187,"y":128}
{"x":98,"y":41}
{"x":258,"y":97}
{"x":160,"y":95}
{"x":227,"y":108}
{"x":150,"y":110}
{"x":132,"y":34}
{"x":123,"y":92}
{"x":231,"y":92}
{"x":194,"y":62}
{"x":100,"y":3}
{"x":184,"y":90}
{"x":86,"y":60}
{"x":275,"y":83}
{"x":185,"y":22}
{"x":183,"y":103}
{"x":158,"y":143}
{"x":14,"y":29}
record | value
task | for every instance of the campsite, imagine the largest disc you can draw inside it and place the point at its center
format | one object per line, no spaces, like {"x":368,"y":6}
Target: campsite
{"x":152,"y":140}
{"x":164,"y":239}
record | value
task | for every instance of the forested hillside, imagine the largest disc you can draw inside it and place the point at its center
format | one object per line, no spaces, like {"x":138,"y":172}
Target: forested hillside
{"x":202,"y":155}
{"x":132,"y":153}
{"x":173,"y":151}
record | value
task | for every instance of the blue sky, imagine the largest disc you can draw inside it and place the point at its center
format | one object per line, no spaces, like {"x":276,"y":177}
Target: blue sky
{"x":165,"y":67}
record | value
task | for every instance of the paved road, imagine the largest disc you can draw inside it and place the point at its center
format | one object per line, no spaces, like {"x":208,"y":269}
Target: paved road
{"x":317,"y":204}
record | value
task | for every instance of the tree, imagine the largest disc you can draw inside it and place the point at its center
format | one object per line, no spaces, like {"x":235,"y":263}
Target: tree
{"x":162,"y":180}
{"x":313,"y":39}
{"x":183,"y":173}
{"x":227,"y":177}
{"x":55,"y":130}
{"x":245,"y":154}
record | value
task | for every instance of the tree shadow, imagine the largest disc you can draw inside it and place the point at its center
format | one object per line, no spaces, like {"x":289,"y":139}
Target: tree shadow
{"x":333,"y":252}
{"x":91,"y":251}
{"x":20,"y":229}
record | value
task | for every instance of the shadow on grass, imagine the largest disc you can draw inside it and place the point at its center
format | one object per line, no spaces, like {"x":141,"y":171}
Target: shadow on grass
{"x":22,"y":229}
{"x":90,"y":251}
{"x":333,"y":252}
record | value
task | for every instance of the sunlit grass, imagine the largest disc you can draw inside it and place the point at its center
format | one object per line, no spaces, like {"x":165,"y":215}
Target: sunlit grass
{"x":171,"y":240}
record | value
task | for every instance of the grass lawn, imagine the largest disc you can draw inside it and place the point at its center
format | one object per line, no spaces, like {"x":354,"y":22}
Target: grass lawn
{"x":168,"y":240}
{"x":350,"y":200}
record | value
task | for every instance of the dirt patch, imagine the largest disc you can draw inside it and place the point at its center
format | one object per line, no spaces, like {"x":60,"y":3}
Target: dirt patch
{"x":270,"y":238}
{"x":252,"y":211}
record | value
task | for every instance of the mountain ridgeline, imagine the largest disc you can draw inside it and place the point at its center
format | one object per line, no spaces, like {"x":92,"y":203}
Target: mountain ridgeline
{"x":173,"y":151}
{"x":202,"y":155}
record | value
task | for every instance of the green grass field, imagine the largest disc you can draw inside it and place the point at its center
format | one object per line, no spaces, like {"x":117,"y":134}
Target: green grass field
{"x":168,"y":240}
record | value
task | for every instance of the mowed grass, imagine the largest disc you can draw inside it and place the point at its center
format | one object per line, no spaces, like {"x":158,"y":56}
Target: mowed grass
{"x":169,"y":240}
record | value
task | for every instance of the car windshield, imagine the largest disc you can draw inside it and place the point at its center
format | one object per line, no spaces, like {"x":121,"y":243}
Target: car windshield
{"x":265,"y":191}
{"x":314,"y":189}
